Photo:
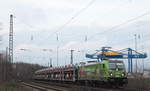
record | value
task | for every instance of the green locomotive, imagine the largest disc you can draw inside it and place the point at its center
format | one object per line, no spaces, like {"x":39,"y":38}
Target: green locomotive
{"x":105,"y":72}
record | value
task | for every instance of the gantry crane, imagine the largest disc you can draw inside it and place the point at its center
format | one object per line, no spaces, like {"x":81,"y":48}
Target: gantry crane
{"x":128,"y":53}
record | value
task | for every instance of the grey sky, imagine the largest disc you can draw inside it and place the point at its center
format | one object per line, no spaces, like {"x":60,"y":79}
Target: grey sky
{"x":40,"y":18}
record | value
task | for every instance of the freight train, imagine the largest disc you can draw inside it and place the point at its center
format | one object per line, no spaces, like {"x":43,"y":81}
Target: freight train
{"x":93,"y":73}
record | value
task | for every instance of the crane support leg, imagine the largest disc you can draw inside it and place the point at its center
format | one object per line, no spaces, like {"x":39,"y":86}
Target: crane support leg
{"x":131,"y":65}
{"x":128,"y":66}
{"x":129,"y":60}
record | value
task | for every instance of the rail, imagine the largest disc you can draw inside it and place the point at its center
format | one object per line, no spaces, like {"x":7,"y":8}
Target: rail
{"x":44,"y":87}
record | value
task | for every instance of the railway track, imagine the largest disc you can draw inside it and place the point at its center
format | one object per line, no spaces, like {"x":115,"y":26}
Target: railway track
{"x":77,"y":87}
{"x":52,"y":86}
{"x":45,"y":87}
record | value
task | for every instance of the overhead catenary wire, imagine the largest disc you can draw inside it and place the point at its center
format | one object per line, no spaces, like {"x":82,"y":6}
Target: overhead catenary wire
{"x":132,"y":39}
{"x":65,"y":24}
{"x":106,"y":31}
{"x":77,"y":14}
{"x":112,"y":29}
{"x":74,"y":16}
{"x":82,"y":10}
{"x":71,"y":19}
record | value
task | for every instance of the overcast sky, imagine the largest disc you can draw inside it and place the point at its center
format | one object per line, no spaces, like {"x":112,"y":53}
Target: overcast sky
{"x":36,"y":21}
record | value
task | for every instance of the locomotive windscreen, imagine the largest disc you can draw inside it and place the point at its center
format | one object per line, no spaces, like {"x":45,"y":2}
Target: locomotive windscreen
{"x":116,"y":65}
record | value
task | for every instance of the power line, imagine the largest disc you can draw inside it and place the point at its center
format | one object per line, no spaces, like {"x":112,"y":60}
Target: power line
{"x":69,"y":21}
{"x":129,"y":40}
{"x":72,"y":18}
{"x":76,"y":15}
{"x":119,"y":25}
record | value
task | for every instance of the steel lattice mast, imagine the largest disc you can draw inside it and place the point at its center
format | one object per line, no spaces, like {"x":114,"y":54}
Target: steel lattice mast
{"x":11,"y":40}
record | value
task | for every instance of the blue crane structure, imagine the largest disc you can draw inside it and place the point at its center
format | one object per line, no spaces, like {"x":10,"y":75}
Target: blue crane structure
{"x":128,"y":53}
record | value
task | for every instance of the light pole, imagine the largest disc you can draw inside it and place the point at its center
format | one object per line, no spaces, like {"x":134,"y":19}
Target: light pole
{"x":49,"y":50}
{"x":71,"y":58}
{"x":57,"y":54}
{"x":57,"y":48}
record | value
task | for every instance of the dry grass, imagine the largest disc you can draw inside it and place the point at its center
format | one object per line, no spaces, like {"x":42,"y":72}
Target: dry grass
{"x":11,"y":86}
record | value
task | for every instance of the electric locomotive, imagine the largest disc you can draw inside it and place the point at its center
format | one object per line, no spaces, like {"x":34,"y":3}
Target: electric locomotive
{"x":105,"y":72}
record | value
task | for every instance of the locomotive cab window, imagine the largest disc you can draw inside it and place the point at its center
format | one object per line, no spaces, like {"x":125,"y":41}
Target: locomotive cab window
{"x":112,"y":66}
{"x":120,"y":65}
{"x":116,"y":65}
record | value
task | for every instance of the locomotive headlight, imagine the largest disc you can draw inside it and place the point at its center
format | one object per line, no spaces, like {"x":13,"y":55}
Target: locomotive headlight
{"x":111,"y":74}
{"x":123,"y":74}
